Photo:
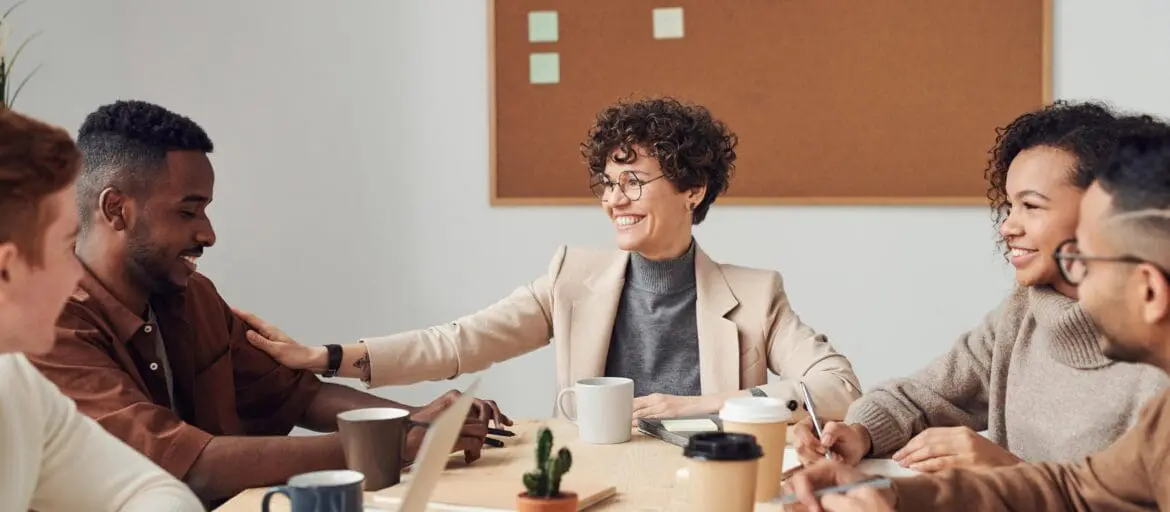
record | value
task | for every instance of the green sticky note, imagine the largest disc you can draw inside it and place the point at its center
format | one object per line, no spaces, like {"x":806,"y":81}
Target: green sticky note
{"x":544,"y":68}
{"x":542,"y":27}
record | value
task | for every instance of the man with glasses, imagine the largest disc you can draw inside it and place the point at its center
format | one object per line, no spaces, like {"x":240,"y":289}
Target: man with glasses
{"x":1119,"y":264}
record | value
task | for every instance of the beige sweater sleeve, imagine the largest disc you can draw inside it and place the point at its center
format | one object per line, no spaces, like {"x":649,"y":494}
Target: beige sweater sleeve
{"x":951,"y":391}
{"x":1130,"y":475}
{"x":516,"y":325}
{"x":798,"y":353}
{"x":85,"y":468}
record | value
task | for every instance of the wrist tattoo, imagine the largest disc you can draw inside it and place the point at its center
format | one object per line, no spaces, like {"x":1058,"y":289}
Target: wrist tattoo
{"x":363,"y":364}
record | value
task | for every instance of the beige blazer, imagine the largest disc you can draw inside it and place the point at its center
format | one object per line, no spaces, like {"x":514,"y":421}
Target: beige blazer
{"x":745,"y":324}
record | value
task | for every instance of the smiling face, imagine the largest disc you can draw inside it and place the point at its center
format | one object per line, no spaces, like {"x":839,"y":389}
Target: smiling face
{"x":1043,"y":213}
{"x":172,"y":228}
{"x":658,"y":224}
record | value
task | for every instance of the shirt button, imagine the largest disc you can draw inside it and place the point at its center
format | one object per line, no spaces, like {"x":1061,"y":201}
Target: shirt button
{"x":153,"y":367}
{"x":148,"y":329}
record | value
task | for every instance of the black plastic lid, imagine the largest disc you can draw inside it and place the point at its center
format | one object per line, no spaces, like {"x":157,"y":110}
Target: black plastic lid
{"x":723,"y":446}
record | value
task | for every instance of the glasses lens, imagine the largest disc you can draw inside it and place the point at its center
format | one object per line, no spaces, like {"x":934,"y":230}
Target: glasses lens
{"x":598,"y":188}
{"x":631,"y":186}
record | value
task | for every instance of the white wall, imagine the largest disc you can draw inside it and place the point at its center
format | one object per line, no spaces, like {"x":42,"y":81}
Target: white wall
{"x":352,"y":140}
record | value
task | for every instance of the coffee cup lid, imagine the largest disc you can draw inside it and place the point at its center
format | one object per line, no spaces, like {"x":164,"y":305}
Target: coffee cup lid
{"x":755,"y":409}
{"x":722,"y":446}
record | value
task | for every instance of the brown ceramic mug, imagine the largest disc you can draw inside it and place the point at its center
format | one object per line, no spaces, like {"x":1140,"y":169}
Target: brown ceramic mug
{"x":374,"y":442}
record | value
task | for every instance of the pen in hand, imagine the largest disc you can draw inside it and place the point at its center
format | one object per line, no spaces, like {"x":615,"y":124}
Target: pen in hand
{"x":812,"y":413}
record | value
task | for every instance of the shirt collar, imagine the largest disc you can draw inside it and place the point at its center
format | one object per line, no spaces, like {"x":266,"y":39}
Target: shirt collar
{"x":95,"y":296}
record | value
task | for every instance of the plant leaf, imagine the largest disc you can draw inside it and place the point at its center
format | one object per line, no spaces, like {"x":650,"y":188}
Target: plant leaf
{"x":20,"y":48}
{"x":10,"y":9}
{"x":21,"y":86}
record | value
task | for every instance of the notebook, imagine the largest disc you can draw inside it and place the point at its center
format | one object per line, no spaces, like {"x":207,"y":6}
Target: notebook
{"x":678,"y":431}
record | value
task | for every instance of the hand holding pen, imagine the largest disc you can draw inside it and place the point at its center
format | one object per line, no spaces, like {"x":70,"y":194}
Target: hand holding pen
{"x":836,"y":440}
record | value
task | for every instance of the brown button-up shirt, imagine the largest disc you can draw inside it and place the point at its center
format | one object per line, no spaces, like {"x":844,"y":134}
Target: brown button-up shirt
{"x":106,"y":360}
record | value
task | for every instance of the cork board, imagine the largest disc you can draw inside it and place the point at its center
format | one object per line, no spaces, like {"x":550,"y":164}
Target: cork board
{"x":834,"y":101}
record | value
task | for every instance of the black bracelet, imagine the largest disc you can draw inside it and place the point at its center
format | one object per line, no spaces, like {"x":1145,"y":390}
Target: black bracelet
{"x":334,"y":362}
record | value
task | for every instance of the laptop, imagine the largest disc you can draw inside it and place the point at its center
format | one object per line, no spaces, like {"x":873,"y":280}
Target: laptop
{"x":436,"y":448}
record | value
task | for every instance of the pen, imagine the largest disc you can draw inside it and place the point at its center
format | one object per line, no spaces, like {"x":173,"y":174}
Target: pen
{"x":812,"y":412}
{"x":878,"y":483}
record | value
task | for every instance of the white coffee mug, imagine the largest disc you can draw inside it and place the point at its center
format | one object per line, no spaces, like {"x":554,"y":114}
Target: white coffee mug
{"x":604,"y":409}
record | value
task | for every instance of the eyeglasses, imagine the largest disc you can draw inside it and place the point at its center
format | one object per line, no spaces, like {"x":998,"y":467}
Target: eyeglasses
{"x":1072,"y":263}
{"x":628,"y":182}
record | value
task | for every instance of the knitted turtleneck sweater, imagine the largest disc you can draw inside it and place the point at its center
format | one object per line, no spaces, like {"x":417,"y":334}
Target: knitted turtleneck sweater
{"x":1032,"y":374}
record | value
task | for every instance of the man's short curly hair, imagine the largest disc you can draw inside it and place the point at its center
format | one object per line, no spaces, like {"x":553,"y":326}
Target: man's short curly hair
{"x":1086,"y":130}
{"x":1137,"y":173}
{"x":36,"y":160}
{"x":125,"y":144}
{"x":692,"y":147}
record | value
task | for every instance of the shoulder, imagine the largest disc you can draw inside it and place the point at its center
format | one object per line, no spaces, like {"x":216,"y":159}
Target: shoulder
{"x":200,"y":286}
{"x":748,"y":284}
{"x":1013,"y":313}
{"x":202,"y":296}
{"x":582,"y":262}
{"x":583,"y":256}
{"x":12,"y":366}
{"x":17,"y":374}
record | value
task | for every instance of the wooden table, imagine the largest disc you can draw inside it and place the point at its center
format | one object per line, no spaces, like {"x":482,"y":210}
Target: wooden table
{"x":642,"y":471}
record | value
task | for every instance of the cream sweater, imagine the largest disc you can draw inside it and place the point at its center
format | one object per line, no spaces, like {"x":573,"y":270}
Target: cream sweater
{"x":1031,"y":374}
{"x":57,"y":459}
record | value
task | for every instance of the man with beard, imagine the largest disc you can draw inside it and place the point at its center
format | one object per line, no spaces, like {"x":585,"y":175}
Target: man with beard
{"x":147,"y":346}
{"x":1120,"y":263}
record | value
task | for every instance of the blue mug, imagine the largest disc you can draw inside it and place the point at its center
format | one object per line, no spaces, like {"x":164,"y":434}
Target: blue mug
{"x":321,"y":491}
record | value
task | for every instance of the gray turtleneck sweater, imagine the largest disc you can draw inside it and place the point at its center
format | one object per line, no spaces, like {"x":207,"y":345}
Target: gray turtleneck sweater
{"x":1032,"y":375}
{"x":655,"y":338}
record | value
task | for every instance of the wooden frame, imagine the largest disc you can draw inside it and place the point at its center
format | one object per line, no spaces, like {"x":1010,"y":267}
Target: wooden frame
{"x":1047,"y":94}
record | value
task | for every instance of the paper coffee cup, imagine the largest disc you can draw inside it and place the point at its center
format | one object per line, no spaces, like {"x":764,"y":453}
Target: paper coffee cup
{"x":720,"y":472}
{"x":766,"y":419}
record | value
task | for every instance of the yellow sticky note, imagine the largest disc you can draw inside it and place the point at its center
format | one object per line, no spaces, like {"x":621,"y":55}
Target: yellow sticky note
{"x":542,"y":27}
{"x":544,"y":68}
{"x":668,"y":23}
{"x":689,"y":425}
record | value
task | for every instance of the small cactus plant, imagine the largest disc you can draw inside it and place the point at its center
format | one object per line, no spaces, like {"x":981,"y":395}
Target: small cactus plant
{"x":545,"y":480}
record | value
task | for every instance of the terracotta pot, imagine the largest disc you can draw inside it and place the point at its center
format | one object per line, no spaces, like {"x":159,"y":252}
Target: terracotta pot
{"x":566,"y":502}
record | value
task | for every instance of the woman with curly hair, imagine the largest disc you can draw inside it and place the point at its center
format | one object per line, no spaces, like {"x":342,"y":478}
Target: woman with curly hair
{"x":1032,"y":373}
{"x":690,"y":332}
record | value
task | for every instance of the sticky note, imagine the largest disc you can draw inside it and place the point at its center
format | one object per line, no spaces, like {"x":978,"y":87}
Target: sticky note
{"x":689,"y":425}
{"x":668,"y":23}
{"x":542,"y":26}
{"x":544,"y":68}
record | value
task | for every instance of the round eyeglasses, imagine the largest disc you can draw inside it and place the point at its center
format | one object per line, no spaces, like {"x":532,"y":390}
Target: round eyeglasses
{"x":628,"y":182}
{"x":1073,"y":267}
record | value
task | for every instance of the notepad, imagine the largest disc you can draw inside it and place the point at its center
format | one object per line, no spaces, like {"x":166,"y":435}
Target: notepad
{"x":678,"y":431}
{"x":689,"y":425}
